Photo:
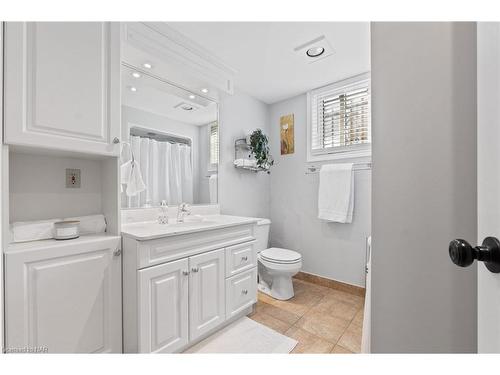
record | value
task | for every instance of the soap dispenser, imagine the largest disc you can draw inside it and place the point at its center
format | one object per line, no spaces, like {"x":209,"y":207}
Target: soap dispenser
{"x":163,"y":215}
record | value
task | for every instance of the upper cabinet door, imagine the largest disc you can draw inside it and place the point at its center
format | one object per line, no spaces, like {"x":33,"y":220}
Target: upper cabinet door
{"x":206,"y":293}
{"x":62,"y":86}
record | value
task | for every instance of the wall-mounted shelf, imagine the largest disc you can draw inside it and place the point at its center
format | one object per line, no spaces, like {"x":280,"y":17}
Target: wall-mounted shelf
{"x":243,"y":152}
{"x":248,"y":168}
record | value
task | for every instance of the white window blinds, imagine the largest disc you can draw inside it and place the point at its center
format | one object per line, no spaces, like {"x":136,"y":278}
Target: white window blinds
{"x":340,"y":117}
{"x":214,"y":143}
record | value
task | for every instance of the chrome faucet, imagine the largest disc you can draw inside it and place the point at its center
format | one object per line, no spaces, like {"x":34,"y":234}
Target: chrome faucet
{"x":182,"y":210}
{"x":163,"y":216}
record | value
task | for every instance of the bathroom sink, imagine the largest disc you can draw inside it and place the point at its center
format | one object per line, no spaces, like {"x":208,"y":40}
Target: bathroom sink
{"x":147,"y":230}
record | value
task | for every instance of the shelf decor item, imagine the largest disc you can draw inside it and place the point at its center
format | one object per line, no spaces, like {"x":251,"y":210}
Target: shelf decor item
{"x":259,"y":145}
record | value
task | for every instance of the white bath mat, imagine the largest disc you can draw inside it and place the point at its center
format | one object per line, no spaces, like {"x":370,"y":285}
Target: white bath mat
{"x":245,"y":336}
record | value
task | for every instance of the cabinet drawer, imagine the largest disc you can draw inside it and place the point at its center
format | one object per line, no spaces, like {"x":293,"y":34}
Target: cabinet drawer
{"x":240,"y":258}
{"x":241,"y":292}
{"x":166,"y":249}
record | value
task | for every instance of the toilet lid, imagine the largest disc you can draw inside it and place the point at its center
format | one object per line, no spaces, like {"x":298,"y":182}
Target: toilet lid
{"x":278,"y":255}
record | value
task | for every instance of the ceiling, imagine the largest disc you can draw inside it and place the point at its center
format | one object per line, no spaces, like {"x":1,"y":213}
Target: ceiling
{"x":262,"y":53}
{"x":154,"y":95}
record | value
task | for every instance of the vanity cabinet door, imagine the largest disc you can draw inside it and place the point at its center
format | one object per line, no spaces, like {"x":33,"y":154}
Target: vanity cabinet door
{"x":206,"y":292}
{"x":163,"y":307}
{"x":65,"y":298}
{"x":62,"y":86}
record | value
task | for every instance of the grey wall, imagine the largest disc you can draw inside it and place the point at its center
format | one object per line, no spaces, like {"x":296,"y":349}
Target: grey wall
{"x":38,"y":187}
{"x":241,"y":192}
{"x":332,"y":250}
{"x":424,"y":186}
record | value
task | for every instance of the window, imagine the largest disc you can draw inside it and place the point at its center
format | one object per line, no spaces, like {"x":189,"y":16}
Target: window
{"x":214,"y":144}
{"x":339,"y":123}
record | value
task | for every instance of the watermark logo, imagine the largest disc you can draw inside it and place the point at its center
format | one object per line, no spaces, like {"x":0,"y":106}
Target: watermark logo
{"x":27,"y":349}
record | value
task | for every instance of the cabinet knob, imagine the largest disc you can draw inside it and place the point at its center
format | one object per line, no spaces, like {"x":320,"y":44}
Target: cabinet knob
{"x":117,"y":252}
{"x":185,"y":273}
{"x":244,"y":291}
{"x":116,"y":140}
{"x":245,"y":258}
{"x":195,"y":269}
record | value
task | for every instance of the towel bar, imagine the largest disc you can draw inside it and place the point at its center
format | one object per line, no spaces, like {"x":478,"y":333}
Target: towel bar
{"x":313,"y":169}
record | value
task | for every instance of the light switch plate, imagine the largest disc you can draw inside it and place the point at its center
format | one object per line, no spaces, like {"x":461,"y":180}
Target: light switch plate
{"x":73,"y":178}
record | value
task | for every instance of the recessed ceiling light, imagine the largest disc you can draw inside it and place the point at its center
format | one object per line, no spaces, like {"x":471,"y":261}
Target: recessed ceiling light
{"x":204,"y":91}
{"x":133,"y":89}
{"x":147,"y":65}
{"x":192,"y":96}
{"x":136,"y":75}
{"x":315,"y":51}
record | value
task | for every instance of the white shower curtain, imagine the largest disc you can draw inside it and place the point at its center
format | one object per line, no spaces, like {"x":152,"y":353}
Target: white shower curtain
{"x":166,"y":170}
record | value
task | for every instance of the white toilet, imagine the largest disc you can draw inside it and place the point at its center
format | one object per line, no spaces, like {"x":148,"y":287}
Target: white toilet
{"x":276,"y":266}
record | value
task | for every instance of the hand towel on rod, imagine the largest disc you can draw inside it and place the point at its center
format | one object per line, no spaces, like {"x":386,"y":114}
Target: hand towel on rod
{"x":336,"y":193}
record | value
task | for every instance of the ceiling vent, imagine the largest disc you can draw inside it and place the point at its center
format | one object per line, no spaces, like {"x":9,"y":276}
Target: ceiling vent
{"x":185,"y":106}
{"x":315,"y":50}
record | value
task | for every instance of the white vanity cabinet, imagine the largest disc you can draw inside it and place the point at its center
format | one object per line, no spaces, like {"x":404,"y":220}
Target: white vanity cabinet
{"x":206,"y":293}
{"x":62,"y":86}
{"x":64,"y":296}
{"x":180,"y":288}
{"x":163,"y":307}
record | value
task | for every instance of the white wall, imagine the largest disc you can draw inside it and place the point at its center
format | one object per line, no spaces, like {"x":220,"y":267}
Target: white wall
{"x":38,"y":187}
{"x":488,"y":184}
{"x":241,"y":192}
{"x":424,"y":186}
{"x":332,"y":250}
{"x":161,"y":123}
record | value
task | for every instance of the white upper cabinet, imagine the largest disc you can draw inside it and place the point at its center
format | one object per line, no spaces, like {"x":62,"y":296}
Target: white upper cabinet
{"x":62,"y":86}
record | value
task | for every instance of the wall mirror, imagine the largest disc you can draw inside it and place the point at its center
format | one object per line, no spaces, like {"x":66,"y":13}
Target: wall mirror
{"x":173,"y":135}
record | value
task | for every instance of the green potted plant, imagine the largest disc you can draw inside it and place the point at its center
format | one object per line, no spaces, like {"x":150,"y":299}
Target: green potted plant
{"x":259,"y":144}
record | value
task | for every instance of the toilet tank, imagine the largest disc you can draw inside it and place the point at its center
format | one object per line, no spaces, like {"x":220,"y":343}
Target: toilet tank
{"x":262,"y":234}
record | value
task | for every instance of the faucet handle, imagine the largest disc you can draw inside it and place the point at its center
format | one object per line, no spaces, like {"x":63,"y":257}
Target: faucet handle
{"x":163,"y":203}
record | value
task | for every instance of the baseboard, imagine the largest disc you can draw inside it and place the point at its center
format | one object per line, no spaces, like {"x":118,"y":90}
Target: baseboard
{"x":334,"y":284}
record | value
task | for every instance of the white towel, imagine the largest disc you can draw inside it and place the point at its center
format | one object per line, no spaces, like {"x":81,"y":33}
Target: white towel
{"x":336,"y":193}
{"x":212,"y":188}
{"x":131,"y":176}
{"x":245,"y":163}
{"x":32,"y":230}
{"x":90,"y":224}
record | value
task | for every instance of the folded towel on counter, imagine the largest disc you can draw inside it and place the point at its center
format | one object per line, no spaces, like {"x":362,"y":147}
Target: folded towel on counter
{"x":132,"y":177}
{"x":91,"y":224}
{"x":24,"y":231}
{"x":336,"y":193}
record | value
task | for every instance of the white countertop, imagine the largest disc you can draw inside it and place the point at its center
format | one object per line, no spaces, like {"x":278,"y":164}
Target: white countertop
{"x":150,"y":230}
{"x":51,"y":243}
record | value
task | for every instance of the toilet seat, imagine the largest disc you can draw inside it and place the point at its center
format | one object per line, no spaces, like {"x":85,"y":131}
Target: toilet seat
{"x":280,"y":256}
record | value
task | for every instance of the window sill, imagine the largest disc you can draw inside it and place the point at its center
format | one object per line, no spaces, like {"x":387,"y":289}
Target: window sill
{"x":351,"y":154}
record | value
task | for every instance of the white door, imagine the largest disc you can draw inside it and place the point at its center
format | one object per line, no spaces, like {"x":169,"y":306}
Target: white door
{"x":488,"y":140}
{"x":62,"y":85}
{"x":163,"y":307}
{"x":206,"y":292}
{"x":65,"y":298}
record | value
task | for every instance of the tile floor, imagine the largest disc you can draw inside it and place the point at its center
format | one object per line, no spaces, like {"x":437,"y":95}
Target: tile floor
{"x":321,"y":319}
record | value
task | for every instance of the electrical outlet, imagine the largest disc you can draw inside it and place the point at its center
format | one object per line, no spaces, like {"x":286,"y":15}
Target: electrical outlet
{"x":73,"y":178}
